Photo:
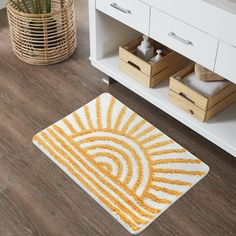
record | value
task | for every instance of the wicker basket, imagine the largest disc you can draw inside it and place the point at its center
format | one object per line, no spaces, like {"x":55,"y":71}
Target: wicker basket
{"x":42,"y":39}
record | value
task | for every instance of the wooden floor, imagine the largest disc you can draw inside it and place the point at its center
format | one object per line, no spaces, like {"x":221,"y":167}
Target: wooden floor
{"x":36,"y":198}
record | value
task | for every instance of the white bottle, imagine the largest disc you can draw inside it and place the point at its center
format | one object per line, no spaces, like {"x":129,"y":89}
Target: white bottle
{"x":157,"y":57}
{"x":145,"y":51}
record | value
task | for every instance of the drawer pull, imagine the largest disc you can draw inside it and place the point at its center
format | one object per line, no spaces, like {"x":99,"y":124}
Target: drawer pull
{"x":134,"y":65}
{"x":192,"y":112}
{"x":175,"y":36}
{"x":116,"y":6}
{"x":186,"y":97}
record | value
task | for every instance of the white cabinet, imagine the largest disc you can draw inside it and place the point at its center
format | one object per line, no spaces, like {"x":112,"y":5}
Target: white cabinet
{"x":133,"y":13}
{"x":189,"y":41}
{"x":215,"y":17}
{"x":193,"y":28}
{"x":226,"y":61}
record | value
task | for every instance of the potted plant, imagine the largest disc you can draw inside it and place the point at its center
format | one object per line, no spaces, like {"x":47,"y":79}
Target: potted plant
{"x":42,"y":31}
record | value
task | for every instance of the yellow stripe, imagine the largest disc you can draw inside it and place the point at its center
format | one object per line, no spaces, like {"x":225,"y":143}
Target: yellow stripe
{"x":171,"y":181}
{"x":159,"y":144}
{"x":83,"y":132}
{"x":117,"y":210}
{"x":126,"y":146}
{"x":157,"y":199}
{"x":129,"y":175}
{"x":168,"y":151}
{"x":106,"y":166}
{"x":121,"y":205}
{"x":87,"y":114}
{"x":175,"y":160}
{"x":113,"y":158}
{"x":78,"y":121}
{"x":117,"y":191}
{"x":166,"y":190}
{"x":98,"y":109}
{"x":151,"y":138}
{"x":137,"y":127}
{"x":179,"y":171}
{"x":109,"y":112}
{"x":119,"y":118}
{"x":145,"y":132}
{"x":69,"y":125}
{"x":122,"y":153}
{"x":128,"y":122}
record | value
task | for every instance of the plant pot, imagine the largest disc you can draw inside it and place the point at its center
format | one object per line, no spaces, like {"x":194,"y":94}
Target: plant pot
{"x":42,"y":39}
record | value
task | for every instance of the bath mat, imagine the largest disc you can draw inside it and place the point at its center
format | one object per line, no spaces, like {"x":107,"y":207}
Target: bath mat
{"x":125,"y":164}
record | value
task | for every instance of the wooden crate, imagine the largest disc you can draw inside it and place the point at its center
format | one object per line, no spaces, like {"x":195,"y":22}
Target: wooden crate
{"x":196,"y":104}
{"x":150,"y":74}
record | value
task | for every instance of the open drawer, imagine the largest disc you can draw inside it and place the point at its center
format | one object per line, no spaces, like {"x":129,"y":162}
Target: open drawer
{"x":198,"y":105}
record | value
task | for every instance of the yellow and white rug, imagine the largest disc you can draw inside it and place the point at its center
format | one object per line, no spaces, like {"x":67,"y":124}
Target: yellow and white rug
{"x":128,"y":166}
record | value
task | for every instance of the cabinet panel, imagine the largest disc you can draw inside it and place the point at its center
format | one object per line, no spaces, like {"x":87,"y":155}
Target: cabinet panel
{"x":183,"y":38}
{"x":210,"y":18}
{"x":226,"y":62}
{"x":133,"y":13}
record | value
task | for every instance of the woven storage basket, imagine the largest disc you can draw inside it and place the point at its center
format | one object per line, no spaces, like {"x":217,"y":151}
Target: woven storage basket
{"x":204,"y":74}
{"x":42,"y":39}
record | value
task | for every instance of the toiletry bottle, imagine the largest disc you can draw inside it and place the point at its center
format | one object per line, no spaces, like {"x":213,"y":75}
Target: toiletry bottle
{"x":145,"y":51}
{"x":157,"y":57}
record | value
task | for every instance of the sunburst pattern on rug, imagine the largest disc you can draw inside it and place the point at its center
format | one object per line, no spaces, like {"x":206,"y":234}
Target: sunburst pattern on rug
{"x":123,"y":162}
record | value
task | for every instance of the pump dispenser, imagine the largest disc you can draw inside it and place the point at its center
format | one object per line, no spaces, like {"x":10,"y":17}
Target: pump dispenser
{"x":157,"y":57}
{"x":145,"y":51}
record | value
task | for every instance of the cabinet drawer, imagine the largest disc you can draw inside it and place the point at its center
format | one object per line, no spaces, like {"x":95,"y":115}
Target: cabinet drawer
{"x":132,"y":13}
{"x":183,"y":38}
{"x":225,"y":62}
{"x":203,"y":15}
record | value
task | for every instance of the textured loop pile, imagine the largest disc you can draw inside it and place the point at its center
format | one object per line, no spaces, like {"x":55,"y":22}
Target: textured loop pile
{"x":127,"y":165}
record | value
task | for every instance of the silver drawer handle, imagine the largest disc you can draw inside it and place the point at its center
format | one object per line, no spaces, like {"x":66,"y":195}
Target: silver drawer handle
{"x":116,"y":6}
{"x":187,"y":42}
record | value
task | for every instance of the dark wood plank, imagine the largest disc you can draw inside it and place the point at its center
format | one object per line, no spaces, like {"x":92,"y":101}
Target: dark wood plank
{"x":36,"y":198}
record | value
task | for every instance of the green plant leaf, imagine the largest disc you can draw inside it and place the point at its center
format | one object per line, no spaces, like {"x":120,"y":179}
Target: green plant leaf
{"x":33,"y":6}
{"x":25,"y":5}
{"x":48,"y":6}
{"x":36,"y":6}
{"x":17,"y":4}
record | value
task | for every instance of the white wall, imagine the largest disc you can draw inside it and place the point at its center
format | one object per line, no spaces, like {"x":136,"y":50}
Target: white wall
{"x":2,"y":3}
